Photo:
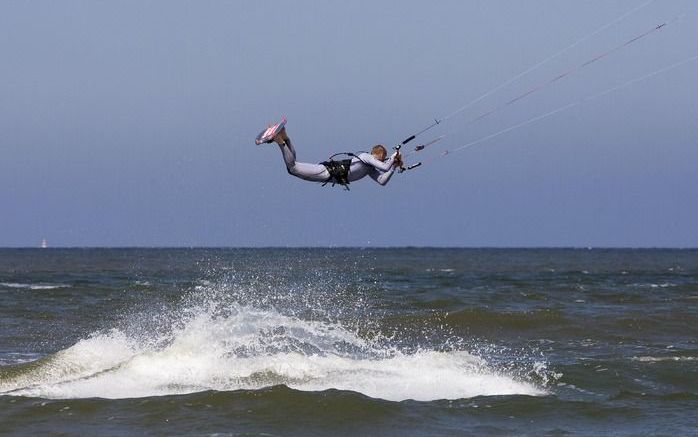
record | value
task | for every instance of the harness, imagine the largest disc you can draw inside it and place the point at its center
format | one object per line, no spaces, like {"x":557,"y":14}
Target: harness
{"x":339,"y":172}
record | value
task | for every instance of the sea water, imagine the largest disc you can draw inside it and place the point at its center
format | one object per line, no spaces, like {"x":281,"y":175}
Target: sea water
{"x":348,"y":341}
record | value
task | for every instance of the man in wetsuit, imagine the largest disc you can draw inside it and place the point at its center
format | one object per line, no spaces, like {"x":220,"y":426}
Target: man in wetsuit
{"x":373,"y":164}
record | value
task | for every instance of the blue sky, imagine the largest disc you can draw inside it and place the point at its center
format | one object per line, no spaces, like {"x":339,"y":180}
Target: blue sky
{"x":132,"y":123}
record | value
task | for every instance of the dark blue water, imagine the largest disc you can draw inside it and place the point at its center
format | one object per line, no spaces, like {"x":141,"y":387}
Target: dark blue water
{"x":348,"y":341}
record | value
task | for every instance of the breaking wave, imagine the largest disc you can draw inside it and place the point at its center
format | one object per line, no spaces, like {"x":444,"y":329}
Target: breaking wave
{"x":219,"y":345}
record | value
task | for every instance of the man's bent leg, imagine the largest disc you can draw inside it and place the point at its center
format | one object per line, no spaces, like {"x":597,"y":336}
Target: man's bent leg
{"x":302,"y":170}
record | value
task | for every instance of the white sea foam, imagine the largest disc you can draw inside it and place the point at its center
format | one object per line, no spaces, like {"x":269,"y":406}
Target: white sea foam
{"x":39,"y":286}
{"x":649,"y":359}
{"x":662,"y":285}
{"x":248,"y":348}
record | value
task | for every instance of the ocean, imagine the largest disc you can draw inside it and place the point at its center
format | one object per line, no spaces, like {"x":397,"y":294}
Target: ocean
{"x":348,"y":342}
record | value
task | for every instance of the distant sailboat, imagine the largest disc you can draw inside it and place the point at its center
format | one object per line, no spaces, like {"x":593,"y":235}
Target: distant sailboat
{"x":44,"y":244}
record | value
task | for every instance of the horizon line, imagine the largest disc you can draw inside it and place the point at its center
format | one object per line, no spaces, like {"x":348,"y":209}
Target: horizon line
{"x":361,"y":247}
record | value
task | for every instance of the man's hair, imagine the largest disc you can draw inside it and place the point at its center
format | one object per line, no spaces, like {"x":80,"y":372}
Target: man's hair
{"x":379,"y":148}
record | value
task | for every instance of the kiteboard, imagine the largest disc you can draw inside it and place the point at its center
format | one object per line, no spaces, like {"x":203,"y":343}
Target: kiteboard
{"x":268,"y":134}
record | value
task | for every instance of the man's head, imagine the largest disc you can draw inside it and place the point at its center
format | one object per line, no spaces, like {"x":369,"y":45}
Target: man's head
{"x":379,"y":152}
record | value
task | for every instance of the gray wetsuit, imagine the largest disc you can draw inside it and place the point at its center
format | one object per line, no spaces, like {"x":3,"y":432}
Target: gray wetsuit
{"x":361,"y":165}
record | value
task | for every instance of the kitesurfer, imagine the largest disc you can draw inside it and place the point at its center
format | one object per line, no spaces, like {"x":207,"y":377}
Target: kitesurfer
{"x":342,"y":172}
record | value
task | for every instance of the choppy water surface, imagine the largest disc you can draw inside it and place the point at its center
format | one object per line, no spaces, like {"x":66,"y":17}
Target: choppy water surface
{"x":348,"y":341}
